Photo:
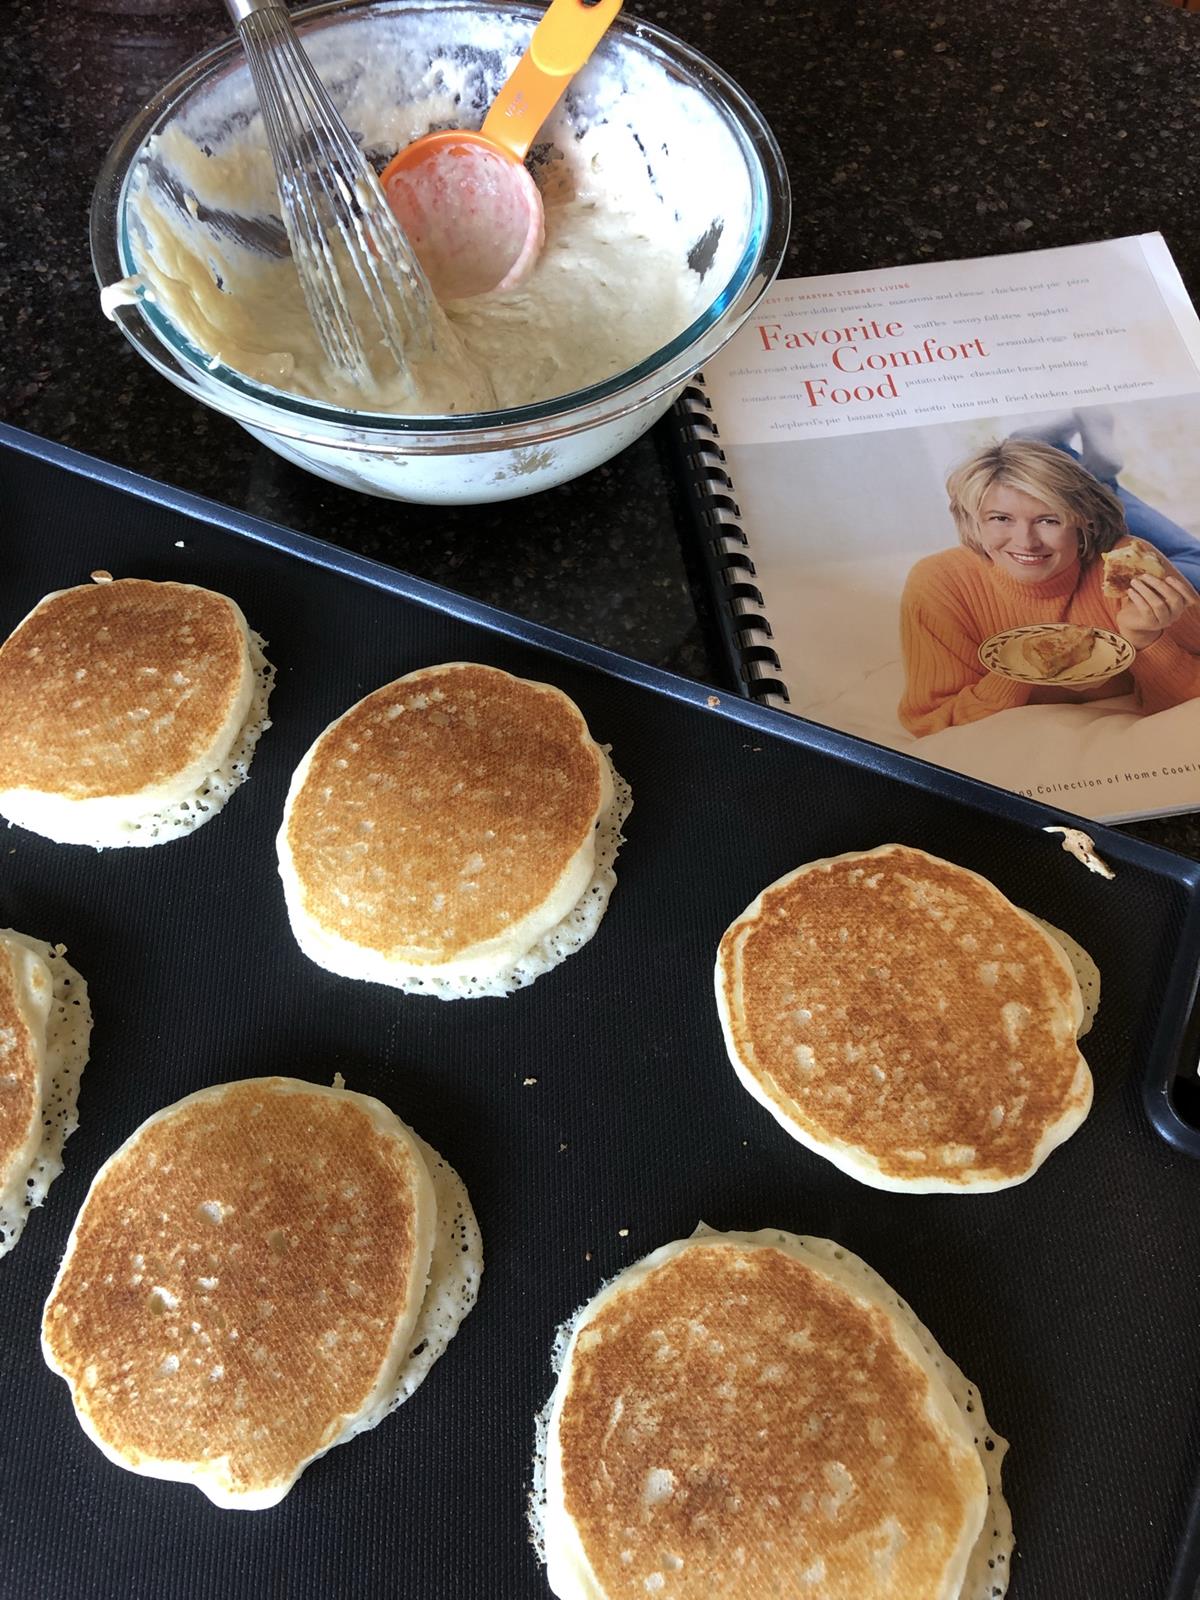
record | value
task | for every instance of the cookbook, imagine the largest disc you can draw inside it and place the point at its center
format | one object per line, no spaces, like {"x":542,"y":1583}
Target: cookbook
{"x":954,"y":509}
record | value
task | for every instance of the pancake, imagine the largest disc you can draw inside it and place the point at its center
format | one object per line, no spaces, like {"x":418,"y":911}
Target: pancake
{"x":453,"y":833}
{"x":900,"y":1017}
{"x":45,"y":1027}
{"x":129,"y":712}
{"x":750,"y":1415}
{"x":260,"y":1272}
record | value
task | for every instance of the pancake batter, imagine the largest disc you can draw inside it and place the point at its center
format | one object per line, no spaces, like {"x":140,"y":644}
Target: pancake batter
{"x":632,"y":254}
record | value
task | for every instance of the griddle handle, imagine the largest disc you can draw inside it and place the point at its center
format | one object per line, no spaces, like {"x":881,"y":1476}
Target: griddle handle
{"x":1185,"y":1580}
{"x":1161,"y":1097}
{"x":1164,"y":1114}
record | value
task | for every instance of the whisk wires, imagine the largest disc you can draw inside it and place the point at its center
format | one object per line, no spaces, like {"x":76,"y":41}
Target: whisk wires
{"x":346,"y":244}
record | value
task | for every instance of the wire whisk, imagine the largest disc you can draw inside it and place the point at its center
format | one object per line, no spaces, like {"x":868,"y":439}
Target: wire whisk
{"x":356,"y":268}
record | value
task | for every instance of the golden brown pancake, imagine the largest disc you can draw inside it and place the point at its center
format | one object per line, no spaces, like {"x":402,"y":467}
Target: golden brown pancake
{"x":1128,"y":561}
{"x":20,"y":1057}
{"x":443,"y":825}
{"x":117,"y":700}
{"x":901,"y":1018}
{"x":113,"y":688}
{"x":22,"y":1052}
{"x":45,"y":1028}
{"x":755,"y":1415}
{"x":241,"y":1285}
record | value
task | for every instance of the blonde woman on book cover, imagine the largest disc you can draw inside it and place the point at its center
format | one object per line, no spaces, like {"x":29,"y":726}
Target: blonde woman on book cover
{"x":1033,"y":524}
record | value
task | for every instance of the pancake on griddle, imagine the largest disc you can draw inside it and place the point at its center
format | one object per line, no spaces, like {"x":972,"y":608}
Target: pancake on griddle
{"x":261,"y":1271}
{"x":129,"y":711}
{"x":45,"y":1028}
{"x":751,"y":1415}
{"x":896,"y":1014}
{"x":453,"y":833}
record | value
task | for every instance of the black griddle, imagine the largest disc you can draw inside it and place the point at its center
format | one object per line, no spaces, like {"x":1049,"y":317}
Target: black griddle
{"x":1073,"y":1301}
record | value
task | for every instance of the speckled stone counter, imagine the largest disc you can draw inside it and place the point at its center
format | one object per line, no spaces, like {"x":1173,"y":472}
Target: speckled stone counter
{"x":911,"y":131}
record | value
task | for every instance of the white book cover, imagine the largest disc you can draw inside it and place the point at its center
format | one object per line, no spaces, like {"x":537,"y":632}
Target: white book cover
{"x":971,"y":494}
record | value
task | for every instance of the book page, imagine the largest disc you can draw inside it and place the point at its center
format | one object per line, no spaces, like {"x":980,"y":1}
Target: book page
{"x":1069,"y":380}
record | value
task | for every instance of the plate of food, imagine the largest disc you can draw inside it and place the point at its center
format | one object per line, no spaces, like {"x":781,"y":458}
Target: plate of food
{"x":1057,"y":652}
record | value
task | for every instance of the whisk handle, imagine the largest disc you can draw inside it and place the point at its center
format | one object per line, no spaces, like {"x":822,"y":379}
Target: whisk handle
{"x":239,"y":10}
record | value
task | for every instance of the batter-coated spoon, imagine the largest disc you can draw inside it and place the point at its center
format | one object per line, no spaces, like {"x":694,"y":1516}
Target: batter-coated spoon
{"x":466,"y":200}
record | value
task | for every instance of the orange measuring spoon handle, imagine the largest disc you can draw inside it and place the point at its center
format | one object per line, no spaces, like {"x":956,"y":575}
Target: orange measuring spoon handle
{"x":562,"y":42}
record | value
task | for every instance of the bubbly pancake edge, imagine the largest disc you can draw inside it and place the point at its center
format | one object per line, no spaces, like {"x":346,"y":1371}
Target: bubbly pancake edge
{"x":25,"y":996}
{"x":65,"y":1034}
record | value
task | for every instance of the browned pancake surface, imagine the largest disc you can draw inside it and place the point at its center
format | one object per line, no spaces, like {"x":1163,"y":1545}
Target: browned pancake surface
{"x":442,"y":809}
{"x":112,"y":688}
{"x":904,"y":1007}
{"x":20,"y":1093}
{"x":235,"y":1281}
{"x":738,"y":1421}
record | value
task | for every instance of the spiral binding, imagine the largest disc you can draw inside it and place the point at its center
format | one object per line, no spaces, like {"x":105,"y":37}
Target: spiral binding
{"x":727,"y":551}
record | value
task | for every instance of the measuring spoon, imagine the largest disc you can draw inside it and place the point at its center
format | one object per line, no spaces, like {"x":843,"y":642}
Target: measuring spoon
{"x":466,"y":200}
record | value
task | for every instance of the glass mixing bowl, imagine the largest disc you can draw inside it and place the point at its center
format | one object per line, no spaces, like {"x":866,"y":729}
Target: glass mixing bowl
{"x":722,"y":182}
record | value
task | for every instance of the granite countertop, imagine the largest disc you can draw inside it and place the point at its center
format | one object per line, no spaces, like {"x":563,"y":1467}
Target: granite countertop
{"x":911,"y":131}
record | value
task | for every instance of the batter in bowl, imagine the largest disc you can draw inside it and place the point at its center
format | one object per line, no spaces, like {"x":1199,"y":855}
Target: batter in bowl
{"x":645,"y":198}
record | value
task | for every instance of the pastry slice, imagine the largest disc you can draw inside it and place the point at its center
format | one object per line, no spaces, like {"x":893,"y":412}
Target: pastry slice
{"x":1136,"y":559}
{"x":1051,"y":653}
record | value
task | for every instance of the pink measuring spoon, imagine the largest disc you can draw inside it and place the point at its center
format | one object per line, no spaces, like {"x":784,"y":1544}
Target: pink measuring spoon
{"x":466,"y":200}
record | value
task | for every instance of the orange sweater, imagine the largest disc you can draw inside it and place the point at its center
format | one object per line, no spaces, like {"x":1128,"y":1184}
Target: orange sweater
{"x":956,"y":599}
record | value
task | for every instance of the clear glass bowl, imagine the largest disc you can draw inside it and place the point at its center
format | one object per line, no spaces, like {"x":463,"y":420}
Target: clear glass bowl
{"x":498,"y":454}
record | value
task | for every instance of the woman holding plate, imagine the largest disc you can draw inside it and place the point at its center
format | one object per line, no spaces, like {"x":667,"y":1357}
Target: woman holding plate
{"x":1034,"y":527}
